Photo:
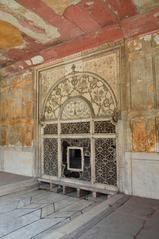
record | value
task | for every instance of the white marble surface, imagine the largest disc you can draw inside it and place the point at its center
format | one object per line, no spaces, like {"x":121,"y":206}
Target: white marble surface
{"x":145,"y":178}
{"x":27,"y":221}
{"x":142,"y":174}
{"x":17,"y":161}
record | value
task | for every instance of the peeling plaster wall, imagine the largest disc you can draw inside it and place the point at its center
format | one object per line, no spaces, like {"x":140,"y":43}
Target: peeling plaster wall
{"x":16,"y":124}
{"x":142,"y":161}
{"x":139,"y":116}
{"x":143,"y":96}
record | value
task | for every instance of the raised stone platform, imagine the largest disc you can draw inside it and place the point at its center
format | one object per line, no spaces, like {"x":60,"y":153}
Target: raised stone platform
{"x":10,"y":183}
{"x":80,"y":186}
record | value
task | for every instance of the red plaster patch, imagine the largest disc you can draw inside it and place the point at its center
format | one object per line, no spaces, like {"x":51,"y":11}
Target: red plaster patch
{"x":99,"y":11}
{"x":81,"y":18}
{"x":109,"y":34}
{"x":67,"y":29}
{"x":140,"y":24}
{"x":32,"y":47}
{"x":30,"y":25}
{"x":87,"y":17}
{"x":123,"y":8}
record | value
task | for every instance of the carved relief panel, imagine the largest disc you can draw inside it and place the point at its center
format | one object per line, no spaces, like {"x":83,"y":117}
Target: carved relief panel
{"x":77,"y":110}
{"x":87,"y":85}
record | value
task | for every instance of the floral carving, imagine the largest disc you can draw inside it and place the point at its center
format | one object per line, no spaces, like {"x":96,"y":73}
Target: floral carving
{"x":87,"y":85}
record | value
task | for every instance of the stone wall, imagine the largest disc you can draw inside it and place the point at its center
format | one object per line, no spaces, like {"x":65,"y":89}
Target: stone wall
{"x":143,"y":83}
{"x":16,"y":123}
{"x":142,"y":115}
{"x":139,"y":103}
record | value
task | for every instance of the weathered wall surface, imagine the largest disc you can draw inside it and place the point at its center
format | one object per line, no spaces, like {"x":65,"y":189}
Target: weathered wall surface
{"x":16,"y":120}
{"x":143,"y":104}
{"x":16,"y":111}
{"x":143,"y":83}
{"x":140,"y":115}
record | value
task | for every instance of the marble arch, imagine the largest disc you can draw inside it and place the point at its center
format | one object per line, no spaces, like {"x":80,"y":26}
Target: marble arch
{"x":80,"y":84}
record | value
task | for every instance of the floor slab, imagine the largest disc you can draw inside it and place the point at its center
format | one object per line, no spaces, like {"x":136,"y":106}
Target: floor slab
{"x":30,"y":214}
{"x":10,"y":183}
{"x":9,"y":178}
{"x":137,"y":218}
{"x":41,"y":214}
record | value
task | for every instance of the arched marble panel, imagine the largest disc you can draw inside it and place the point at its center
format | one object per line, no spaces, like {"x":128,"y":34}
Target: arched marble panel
{"x":80,"y":84}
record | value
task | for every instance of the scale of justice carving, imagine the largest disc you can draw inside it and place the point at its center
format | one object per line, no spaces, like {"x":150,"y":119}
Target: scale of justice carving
{"x":76,"y":108}
{"x":83,"y":95}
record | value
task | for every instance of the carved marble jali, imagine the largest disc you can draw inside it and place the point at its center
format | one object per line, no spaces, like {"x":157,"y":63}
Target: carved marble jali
{"x":76,"y":110}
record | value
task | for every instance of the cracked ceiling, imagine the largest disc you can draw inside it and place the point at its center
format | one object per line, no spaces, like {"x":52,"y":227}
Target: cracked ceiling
{"x":31,"y":31}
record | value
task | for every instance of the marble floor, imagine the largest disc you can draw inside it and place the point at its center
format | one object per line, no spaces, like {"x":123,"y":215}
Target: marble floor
{"x":11,"y":183}
{"x":136,"y":218}
{"x":30,"y":214}
{"x":9,"y":178}
{"x":34,"y":213}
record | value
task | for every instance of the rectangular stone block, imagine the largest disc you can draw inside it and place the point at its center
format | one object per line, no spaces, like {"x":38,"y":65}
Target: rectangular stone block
{"x":47,"y":210}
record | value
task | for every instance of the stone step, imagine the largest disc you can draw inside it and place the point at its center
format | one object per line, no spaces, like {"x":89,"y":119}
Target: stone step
{"x":19,"y":186}
{"x":8,"y":225}
{"x":33,"y":229}
{"x":21,"y":217}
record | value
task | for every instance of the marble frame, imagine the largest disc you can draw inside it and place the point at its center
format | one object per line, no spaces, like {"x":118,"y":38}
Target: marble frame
{"x":104,"y":49}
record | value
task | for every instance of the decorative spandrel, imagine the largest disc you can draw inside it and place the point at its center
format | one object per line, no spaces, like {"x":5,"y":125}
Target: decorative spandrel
{"x":51,"y":129}
{"x":75,"y":128}
{"x":104,"y":127}
{"x":50,"y":157}
{"x":89,"y":86}
{"x":105,"y":161}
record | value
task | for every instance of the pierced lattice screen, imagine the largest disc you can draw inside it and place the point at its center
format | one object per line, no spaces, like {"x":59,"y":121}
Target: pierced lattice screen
{"x":51,"y":129}
{"x":75,"y":128}
{"x":101,"y":127}
{"x":50,"y":157}
{"x":105,"y":161}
